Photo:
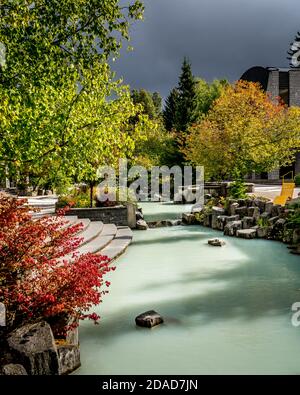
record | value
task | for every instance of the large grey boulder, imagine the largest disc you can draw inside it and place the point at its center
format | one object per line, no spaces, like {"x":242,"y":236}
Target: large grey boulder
{"x":69,"y":358}
{"x":207,"y":219}
{"x":247,"y":233}
{"x":13,"y":370}
{"x":164,"y":223}
{"x":248,"y":222}
{"x":254,"y":212}
{"x":296,"y":236}
{"x":216,"y":212}
{"x":263,"y":232}
{"x":232,"y":208}
{"x":269,"y":207}
{"x":173,"y":222}
{"x":273,"y":220}
{"x":141,"y":225}
{"x":265,"y":216}
{"x":189,"y":219}
{"x":261,"y":204}
{"x":276,"y":210}
{"x":149,"y":319}
{"x":155,"y":224}
{"x":197,"y":208}
{"x":278,"y":229}
{"x":139,"y":215}
{"x":221,"y":221}
{"x":58,"y":325}
{"x":232,"y":218}
{"x":34,"y":347}
{"x":242,"y":211}
{"x":232,"y":227}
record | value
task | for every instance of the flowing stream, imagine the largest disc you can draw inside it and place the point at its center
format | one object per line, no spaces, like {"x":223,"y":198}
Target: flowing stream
{"x":227,"y":310}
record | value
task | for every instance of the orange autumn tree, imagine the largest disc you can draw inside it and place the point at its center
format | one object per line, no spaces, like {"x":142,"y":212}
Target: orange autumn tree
{"x":246,"y":130}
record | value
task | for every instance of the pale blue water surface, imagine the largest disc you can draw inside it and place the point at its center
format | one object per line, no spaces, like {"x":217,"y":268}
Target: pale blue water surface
{"x":227,"y":310}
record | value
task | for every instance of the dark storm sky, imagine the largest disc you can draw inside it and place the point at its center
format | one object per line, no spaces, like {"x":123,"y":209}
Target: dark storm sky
{"x":222,"y":38}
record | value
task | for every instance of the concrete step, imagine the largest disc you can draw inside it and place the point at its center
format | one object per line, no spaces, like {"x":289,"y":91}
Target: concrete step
{"x":101,"y":241}
{"x":119,"y":244}
{"x":43,"y":213}
{"x":85,"y":222}
{"x":71,"y":221}
{"x":91,"y":232}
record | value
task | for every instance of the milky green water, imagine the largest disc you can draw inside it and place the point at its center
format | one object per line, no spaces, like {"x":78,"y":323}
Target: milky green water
{"x":227,"y":310}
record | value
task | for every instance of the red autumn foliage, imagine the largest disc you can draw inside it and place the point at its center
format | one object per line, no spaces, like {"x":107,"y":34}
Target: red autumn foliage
{"x":36,"y":281}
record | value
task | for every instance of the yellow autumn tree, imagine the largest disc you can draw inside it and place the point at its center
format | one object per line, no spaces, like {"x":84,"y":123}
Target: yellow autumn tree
{"x":246,"y":130}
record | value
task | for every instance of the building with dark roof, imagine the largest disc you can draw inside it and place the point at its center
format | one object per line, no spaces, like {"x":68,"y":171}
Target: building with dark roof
{"x":283,"y":83}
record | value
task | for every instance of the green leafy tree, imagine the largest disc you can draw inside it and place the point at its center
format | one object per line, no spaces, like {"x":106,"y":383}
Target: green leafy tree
{"x":245,"y":131}
{"x":57,"y":116}
{"x":206,"y":95}
{"x":145,"y":99}
{"x":39,"y":36}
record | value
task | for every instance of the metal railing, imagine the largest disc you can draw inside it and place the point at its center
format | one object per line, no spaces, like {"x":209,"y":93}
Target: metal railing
{"x":284,"y":176}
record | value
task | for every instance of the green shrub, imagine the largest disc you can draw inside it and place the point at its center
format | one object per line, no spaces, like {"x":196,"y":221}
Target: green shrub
{"x":78,"y":198}
{"x":238,"y":189}
{"x":297,"y":180}
{"x":263,"y":222}
{"x":293,"y":221}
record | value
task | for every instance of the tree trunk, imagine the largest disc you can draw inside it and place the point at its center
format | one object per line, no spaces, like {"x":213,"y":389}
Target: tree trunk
{"x":91,"y":194}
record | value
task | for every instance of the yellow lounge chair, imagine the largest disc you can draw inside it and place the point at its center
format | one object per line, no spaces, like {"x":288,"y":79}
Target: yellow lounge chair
{"x":287,"y":192}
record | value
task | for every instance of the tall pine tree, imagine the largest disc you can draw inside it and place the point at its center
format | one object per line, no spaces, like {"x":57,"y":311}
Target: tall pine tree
{"x":180,"y":109}
{"x":187,"y":101}
{"x":170,"y":110}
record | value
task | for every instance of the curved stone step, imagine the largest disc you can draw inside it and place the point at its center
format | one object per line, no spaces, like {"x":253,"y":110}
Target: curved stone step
{"x":119,"y":244}
{"x":42,"y":213}
{"x":102,"y":240}
{"x":71,"y":220}
{"x":91,"y":232}
{"x":74,"y":220}
{"x":85,"y":222}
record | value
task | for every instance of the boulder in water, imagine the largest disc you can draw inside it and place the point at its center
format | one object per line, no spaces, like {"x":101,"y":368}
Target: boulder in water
{"x":141,"y":225}
{"x":149,"y":319}
{"x":216,"y":242}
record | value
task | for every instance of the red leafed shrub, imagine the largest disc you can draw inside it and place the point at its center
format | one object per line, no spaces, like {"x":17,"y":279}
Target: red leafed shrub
{"x":36,"y":281}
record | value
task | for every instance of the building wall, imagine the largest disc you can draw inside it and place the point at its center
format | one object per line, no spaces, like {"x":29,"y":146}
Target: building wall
{"x":294,"y":87}
{"x":273,"y":83}
{"x":295,"y":101}
{"x":108,"y":215}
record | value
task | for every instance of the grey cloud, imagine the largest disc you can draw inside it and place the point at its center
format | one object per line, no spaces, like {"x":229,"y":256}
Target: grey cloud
{"x":222,"y":38}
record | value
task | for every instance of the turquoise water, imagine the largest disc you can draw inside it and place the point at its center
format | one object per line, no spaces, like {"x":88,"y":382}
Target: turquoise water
{"x":227,"y":310}
{"x":160,"y":211}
